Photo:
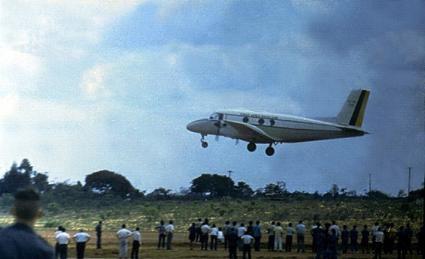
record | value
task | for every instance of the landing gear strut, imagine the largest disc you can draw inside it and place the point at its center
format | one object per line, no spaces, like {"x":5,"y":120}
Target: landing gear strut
{"x":251,"y":147}
{"x":270,"y":150}
{"x":204,"y":144}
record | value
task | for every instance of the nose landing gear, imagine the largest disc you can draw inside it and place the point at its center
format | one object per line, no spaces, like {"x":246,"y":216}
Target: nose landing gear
{"x":204,"y":144}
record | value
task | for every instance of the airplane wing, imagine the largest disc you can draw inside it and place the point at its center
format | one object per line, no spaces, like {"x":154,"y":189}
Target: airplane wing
{"x":250,"y":132}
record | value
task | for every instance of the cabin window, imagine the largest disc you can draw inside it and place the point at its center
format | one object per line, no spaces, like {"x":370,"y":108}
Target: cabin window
{"x":261,"y":121}
{"x":245,"y":119}
{"x":272,"y":122}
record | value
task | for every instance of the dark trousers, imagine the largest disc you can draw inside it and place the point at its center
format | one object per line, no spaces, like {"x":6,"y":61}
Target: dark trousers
{"x":354,"y":246}
{"x":198,"y":235}
{"x":63,"y":251}
{"x":81,"y":247}
{"x":246,"y":251}
{"x":204,"y":242}
{"x":161,"y":241}
{"x":99,"y":241}
{"x":169,"y":240}
{"x":226,"y":241}
{"x":344,"y":246}
{"x":288,"y":246}
{"x":213,"y":243}
{"x":365,"y":246}
{"x":270,"y":244}
{"x":300,"y":243}
{"x":135,"y":250}
{"x":257,"y":243}
{"x":233,"y":252}
{"x":378,"y":250}
{"x":57,"y":250}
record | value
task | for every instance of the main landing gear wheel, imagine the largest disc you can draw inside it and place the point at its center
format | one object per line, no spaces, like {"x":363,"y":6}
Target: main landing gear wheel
{"x":270,"y":151}
{"x":251,"y":147}
{"x":204,"y":144}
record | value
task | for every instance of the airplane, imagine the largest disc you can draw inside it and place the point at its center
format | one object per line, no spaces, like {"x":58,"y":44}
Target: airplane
{"x":272,"y":129}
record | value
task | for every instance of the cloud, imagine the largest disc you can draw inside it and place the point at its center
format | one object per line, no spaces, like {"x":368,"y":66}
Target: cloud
{"x":93,"y":81}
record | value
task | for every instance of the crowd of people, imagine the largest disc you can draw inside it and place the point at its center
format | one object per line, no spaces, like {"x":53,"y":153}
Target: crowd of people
{"x":328,"y":241}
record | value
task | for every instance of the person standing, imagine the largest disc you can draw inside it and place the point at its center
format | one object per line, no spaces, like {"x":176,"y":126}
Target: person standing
{"x":192,"y":234}
{"x":256,"y":233}
{"x":300,"y":229}
{"x":247,"y":242}
{"x":365,"y":240}
{"x":314,"y":236}
{"x":81,"y":238}
{"x":270,"y":232}
{"x":59,"y":230}
{"x":63,"y":239}
{"x":169,"y":229}
{"x":205,"y":230}
{"x":19,"y":240}
{"x":401,"y":243}
{"x":123,"y":234}
{"x":420,"y":237}
{"x":354,"y":235}
{"x":278,"y":234}
{"x":214,"y":236}
{"x":161,"y":234}
{"x":226,"y":231}
{"x":198,"y":230}
{"x":99,"y":235}
{"x":409,"y":236}
{"x":289,"y":234}
{"x":137,"y":240}
{"x":241,"y":232}
{"x":233,"y":242}
{"x":379,"y":239}
{"x":344,"y":239}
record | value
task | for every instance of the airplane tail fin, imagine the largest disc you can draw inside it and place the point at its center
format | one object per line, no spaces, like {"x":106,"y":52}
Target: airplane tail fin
{"x":352,"y":113}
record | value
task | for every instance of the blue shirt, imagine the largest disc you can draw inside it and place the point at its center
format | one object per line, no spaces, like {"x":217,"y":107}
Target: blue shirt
{"x":256,"y":231}
{"x":19,"y":241}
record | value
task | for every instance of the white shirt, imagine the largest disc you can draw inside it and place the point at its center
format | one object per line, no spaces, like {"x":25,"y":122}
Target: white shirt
{"x":214,"y":231}
{"x":220,"y":236}
{"x":123,"y":233}
{"x":247,"y":239}
{"x":379,"y":236}
{"x":81,"y":237}
{"x":241,"y":231}
{"x":136,"y":236}
{"x":337,"y":230}
{"x":63,"y":238}
{"x":205,"y":229}
{"x":169,"y":228}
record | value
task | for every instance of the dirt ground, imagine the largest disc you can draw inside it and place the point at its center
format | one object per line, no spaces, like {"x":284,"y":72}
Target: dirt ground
{"x":180,"y":248}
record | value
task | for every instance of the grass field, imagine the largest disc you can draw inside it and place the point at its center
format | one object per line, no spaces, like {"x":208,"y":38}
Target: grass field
{"x":146,"y":215}
{"x":180,"y":248}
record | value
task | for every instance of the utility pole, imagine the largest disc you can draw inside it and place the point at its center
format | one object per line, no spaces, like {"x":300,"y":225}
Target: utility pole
{"x":370,"y":183}
{"x":408,"y":183}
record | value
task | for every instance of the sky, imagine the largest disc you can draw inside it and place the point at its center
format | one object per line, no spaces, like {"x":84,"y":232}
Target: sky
{"x":92,"y":85}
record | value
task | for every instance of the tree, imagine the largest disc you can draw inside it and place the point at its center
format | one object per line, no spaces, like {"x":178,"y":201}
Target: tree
{"x":274,"y":190}
{"x":14,"y":179}
{"x":105,"y":181}
{"x":159,"y":193}
{"x":215,"y":185}
{"x":40,"y":181}
{"x":243,"y":190}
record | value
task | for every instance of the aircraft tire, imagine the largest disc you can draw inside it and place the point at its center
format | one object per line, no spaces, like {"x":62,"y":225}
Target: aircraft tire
{"x":251,"y":147}
{"x":270,"y":151}
{"x":204,"y":144}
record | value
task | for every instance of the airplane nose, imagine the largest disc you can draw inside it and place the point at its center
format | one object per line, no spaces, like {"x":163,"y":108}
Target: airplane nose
{"x":193,"y":126}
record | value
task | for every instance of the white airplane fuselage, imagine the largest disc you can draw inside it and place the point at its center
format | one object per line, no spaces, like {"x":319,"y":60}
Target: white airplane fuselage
{"x":279,"y":127}
{"x":268,"y":128}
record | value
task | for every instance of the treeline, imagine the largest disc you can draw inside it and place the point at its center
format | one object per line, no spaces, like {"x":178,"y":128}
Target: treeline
{"x":110,"y":185}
